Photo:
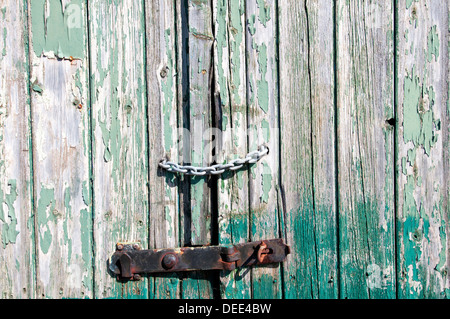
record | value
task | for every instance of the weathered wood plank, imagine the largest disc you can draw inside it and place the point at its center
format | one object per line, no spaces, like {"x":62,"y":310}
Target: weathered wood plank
{"x":61,"y":148}
{"x":120,"y":152}
{"x":231,"y":113}
{"x":365,"y":69}
{"x":262,"y":100}
{"x":422,"y":135}
{"x":200,"y":44}
{"x":163,"y":137}
{"x":16,"y":221}
{"x":308,"y":148}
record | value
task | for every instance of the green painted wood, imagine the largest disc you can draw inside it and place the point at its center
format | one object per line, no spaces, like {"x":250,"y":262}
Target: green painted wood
{"x":162,"y":106}
{"x":61,"y":148}
{"x":231,"y":112}
{"x":87,"y":110}
{"x":200,"y":44}
{"x":308,"y":187}
{"x":365,"y":69}
{"x":422,"y":149}
{"x":120,"y":143}
{"x":16,"y":221}
{"x":262,"y":101}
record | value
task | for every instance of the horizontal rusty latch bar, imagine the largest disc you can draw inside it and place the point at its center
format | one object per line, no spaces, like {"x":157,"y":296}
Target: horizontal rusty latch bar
{"x":129,"y":261}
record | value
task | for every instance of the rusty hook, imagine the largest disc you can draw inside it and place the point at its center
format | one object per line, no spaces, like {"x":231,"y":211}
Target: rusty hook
{"x":262,"y":250}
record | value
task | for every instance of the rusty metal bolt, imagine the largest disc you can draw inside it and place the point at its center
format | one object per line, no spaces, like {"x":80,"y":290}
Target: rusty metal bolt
{"x":119,"y":246}
{"x":136,"y":246}
{"x":169,"y":261}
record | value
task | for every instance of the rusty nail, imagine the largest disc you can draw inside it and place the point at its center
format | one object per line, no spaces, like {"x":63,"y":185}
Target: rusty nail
{"x":169,"y":261}
{"x":80,"y":106}
{"x":137,"y":277}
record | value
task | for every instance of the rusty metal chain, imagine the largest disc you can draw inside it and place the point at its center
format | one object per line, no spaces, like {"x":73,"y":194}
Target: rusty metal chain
{"x":217,"y":169}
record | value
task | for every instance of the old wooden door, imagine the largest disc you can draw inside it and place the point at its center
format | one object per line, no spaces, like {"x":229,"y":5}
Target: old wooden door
{"x":350,"y":97}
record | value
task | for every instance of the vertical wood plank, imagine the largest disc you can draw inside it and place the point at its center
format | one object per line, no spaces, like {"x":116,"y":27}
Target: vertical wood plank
{"x":119,"y":111}
{"x":61,"y":148}
{"x":307,"y":148}
{"x":163,"y":137}
{"x":200,"y":44}
{"x":16,"y":221}
{"x":422,"y":135}
{"x":200,"y":68}
{"x":365,"y":149}
{"x":230,"y":98}
{"x":262,"y":100}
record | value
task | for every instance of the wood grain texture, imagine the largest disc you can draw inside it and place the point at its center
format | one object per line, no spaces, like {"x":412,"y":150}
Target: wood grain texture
{"x":16,"y":221}
{"x":94,"y":94}
{"x":163,"y":136}
{"x":308,"y":188}
{"x":231,"y":113}
{"x":120,"y":153}
{"x":365,"y":69}
{"x":423,"y":175}
{"x":200,"y":61}
{"x":262,"y":101}
{"x":61,"y":150}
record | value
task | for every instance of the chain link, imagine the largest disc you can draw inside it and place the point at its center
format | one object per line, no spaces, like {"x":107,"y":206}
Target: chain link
{"x":218,"y":169}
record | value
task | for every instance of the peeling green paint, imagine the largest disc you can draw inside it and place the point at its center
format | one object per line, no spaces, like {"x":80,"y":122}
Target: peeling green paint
{"x":58,"y":29}
{"x":9,"y":219}
{"x":85,"y":193}
{"x":264,"y":15}
{"x":265,"y":127}
{"x":251,"y":24}
{"x":36,"y":88}
{"x":419,"y":126}
{"x":409,"y":3}
{"x":411,"y":118}
{"x":169,"y":220}
{"x":45,"y":207}
{"x":262,"y":83}
{"x":433,"y":44}
{"x":266,"y":182}
{"x":86,"y":239}
{"x":417,"y":235}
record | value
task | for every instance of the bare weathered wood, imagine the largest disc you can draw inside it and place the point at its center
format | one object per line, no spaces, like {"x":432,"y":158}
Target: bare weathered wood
{"x":61,"y":148}
{"x":199,"y":71}
{"x":308,"y":188}
{"x":163,"y":137}
{"x":120,"y":145}
{"x":231,"y":114}
{"x":262,"y":101}
{"x":422,"y":135}
{"x":16,"y":221}
{"x":359,"y":92}
{"x":365,"y":69}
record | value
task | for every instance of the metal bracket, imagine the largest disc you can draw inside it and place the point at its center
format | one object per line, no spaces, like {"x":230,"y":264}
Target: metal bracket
{"x":129,"y":261}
